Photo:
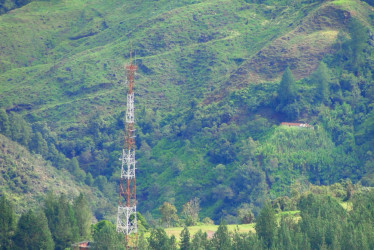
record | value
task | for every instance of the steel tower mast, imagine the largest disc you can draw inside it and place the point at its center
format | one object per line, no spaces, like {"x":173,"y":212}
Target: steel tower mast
{"x":126,"y":215}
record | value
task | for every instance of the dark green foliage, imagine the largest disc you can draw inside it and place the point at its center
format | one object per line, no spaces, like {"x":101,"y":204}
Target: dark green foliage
{"x":142,"y":223}
{"x":89,"y":179}
{"x":242,"y":241}
{"x":33,"y":232}
{"x":321,"y":217}
{"x":184,"y":242}
{"x":173,"y":243}
{"x":38,"y":144}
{"x":245,"y":214}
{"x":287,"y":96}
{"x":200,"y":241}
{"x":158,"y":240}
{"x":106,"y":237}
{"x":168,"y":214}
{"x":266,"y":225}
{"x":83,"y":216}
{"x":223,"y":153}
{"x":365,"y":138}
{"x":287,"y":88}
{"x":7,"y":223}
{"x":357,"y":43}
{"x":249,"y":181}
{"x":222,"y":238}
{"x":8,"y":5}
{"x":76,"y":171}
{"x":142,"y":242}
{"x":371,"y":2}
{"x":321,"y":78}
{"x":61,"y":220}
{"x":19,"y":129}
{"x":4,"y":123}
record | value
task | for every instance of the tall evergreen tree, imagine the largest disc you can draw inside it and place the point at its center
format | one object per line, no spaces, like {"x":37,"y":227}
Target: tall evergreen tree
{"x":284,"y":239}
{"x":266,"y":225}
{"x":7,"y":223}
{"x":200,"y":241}
{"x":173,"y":243}
{"x":52,"y":154}
{"x":322,"y":219}
{"x":83,"y":216}
{"x":89,"y":179}
{"x":33,"y":233}
{"x":357,"y":43}
{"x":19,"y":129}
{"x":4,"y":123}
{"x":287,"y":88}
{"x":74,"y":168}
{"x":158,"y":240}
{"x":61,"y":220}
{"x":107,"y":238}
{"x":185,"y":243}
{"x":39,"y":145}
{"x":221,"y":239}
{"x":322,"y":78}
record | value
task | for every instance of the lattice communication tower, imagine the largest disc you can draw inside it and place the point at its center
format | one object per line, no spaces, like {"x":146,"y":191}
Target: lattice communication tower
{"x":126,"y":216}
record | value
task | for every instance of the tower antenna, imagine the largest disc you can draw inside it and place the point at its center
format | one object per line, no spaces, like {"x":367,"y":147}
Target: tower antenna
{"x":126,"y":215}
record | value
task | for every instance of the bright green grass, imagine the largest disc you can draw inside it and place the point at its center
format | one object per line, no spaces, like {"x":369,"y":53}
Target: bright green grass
{"x":342,"y":2}
{"x":210,"y":229}
{"x":347,"y":205}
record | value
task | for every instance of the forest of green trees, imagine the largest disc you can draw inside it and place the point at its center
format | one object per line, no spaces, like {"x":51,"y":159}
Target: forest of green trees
{"x":320,"y":223}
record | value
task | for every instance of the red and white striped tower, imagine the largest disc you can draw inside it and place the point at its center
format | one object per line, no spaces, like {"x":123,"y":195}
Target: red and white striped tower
{"x":126,"y":216}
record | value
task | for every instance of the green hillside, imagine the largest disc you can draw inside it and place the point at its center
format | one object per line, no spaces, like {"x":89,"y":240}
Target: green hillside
{"x":208,"y":95}
{"x":26,"y":179}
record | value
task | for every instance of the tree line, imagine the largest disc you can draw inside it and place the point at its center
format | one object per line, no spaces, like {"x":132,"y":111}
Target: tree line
{"x":322,"y":223}
{"x":56,"y":225}
{"x":315,"y":219}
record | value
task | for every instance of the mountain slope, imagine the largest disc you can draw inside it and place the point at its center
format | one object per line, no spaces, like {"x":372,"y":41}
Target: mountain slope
{"x":26,"y":178}
{"x":206,"y":91}
{"x":57,"y":56}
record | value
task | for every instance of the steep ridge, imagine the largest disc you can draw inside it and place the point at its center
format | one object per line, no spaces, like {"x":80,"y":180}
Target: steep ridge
{"x":26,"y":178}
{"x":301,"y":49}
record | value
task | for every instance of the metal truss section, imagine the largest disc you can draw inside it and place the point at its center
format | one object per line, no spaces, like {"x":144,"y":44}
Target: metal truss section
{"x":130,"y":108}
{"x":126,"y":220}
{"x":128,"y":164}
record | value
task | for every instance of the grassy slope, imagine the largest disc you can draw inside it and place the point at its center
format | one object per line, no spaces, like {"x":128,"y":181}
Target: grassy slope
{"x":301,"y":48}
{"x":26,"y":178}
{"x":62,"y":61}
{"x":54,"y":76}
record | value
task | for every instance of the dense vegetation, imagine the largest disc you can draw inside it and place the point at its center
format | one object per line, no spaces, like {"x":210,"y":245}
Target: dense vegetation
{"x":320,"y":222}
{"x":215,"y":80}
